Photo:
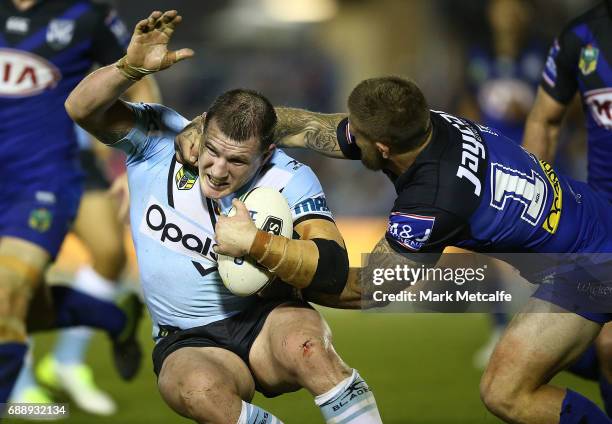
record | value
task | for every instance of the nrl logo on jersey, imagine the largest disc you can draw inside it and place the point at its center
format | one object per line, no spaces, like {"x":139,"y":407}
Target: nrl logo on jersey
{"x":60,"y":32}
{"x":185,"y":179}
{"x":588,"y":59}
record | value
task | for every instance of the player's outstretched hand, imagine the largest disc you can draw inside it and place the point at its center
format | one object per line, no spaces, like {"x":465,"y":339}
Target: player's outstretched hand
{"x":235,"y":234}
{"x":148,"y":47}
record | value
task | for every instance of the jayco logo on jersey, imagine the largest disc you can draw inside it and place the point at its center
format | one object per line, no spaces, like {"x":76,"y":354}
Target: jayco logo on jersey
{"x":600,"y":104}
{"x":60,"y":32}
{"x":473,"y":151}
{"x":409,"y":230}
{"x":25,"y":74}
{"x":176,"y":233}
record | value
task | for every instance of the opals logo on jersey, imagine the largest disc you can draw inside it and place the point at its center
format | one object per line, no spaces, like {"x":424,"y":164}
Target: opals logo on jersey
{"x":24,"y":74}
{"x":588,"y":59}
{"x":185,"y":179}
{"x":409,"y":230}
{"x":60,"y":32}
{"x":176,"y":233}
{"x":600,"y":104}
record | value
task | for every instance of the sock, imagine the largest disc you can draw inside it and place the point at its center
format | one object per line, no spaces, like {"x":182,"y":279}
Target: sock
{"x":605,"y":388}
{"x":11,"y":360}
{"x":350,"y":402}
{"x":587,"y":365}
{"x":500,"y":320}
{"x":74,"y":308}
{"x":251,"y":414}
{"x":71,"y":346}
{"x":576,"y":409}
{"x":26,"y":379}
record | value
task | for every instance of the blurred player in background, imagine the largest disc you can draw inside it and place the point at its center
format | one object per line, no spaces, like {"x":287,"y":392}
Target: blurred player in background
{"x":46,"y":48}
{"x":100,"y":228}
{"x":502,"y":77}
{"x":579,"y":61}
{"x":214,"y":348}
{"x":501,"y":83}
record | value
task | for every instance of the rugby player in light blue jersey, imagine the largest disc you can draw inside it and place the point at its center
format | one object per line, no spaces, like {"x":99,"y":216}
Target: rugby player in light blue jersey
{"x":213,"y":349}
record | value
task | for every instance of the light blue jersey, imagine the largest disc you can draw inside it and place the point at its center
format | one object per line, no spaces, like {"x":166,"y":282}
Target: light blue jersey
{"x":173,"y":223}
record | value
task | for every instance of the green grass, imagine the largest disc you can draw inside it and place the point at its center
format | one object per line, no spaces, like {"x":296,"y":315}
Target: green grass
{"x":419,"y":366}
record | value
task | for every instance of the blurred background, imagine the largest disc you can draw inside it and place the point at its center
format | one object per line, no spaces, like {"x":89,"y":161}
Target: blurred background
{"x":478,"y":58}
{"x":311,"y":53}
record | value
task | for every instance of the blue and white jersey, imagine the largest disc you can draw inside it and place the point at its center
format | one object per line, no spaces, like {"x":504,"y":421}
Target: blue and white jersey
{"x":173,"y":223}
{"x":580,"y":60}
{"x":473,"y":187}
{"x":44,"y":52}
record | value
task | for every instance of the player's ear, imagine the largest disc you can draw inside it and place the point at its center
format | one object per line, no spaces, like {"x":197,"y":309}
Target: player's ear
{"x":383,"y":149}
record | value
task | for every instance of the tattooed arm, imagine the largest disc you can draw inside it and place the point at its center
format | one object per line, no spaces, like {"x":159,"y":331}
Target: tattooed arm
{"x":315,"y":131}
{"x":383,"y":256}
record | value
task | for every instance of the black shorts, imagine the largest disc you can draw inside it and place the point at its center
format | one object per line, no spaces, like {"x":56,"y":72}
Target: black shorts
{"x":236,"y":334}
{"x":95,"y":178}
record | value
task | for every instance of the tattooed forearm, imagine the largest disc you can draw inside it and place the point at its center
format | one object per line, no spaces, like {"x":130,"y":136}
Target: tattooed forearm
{"x":352,"y":297}
{"x":315,"y":131}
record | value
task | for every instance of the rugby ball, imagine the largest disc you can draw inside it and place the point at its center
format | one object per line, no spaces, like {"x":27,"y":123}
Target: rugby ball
{"x":270,"y":212}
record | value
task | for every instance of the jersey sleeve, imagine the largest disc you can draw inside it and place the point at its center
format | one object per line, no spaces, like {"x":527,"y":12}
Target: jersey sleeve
{"x":346,"y":141}
{"x":305,"y":196}
{"x":110,"y":36}
{"x":154,"y":127}
{"x":426,"y":229}
{"x":559,"y":78}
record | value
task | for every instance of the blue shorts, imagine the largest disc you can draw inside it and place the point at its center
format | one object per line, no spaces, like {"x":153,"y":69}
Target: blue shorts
{"x":585,"y":291}
{"x":40,"y":216}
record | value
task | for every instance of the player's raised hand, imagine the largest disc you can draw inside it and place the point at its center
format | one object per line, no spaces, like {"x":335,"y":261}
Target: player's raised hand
{"x":148,"y":48}
{"x":235,"y":234}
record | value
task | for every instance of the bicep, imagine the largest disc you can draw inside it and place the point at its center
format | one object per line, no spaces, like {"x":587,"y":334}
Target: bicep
{"x":113,"y":125}
{"x":546,"y":109}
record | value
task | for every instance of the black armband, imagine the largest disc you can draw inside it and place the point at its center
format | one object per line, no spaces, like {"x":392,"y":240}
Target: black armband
{"x":346,"y":141}
{"x":332,"y":268}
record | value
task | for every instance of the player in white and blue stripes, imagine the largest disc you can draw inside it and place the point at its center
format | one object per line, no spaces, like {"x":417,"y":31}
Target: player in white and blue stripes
{"x":214,"y":349}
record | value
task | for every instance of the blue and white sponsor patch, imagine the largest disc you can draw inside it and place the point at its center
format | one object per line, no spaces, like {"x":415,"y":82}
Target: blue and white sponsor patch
{"x":549,"y":74}
{"x":410,"y":231}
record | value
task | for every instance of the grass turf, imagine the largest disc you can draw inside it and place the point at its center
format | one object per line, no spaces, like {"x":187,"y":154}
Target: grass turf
{"x":419,"y":366}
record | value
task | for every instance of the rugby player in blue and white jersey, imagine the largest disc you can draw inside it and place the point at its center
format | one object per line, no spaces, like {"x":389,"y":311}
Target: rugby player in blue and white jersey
{"x":46,"y":47}
{"x":579,"y":62}
{"x":213,"y":349}
{"x":462,"y":184}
